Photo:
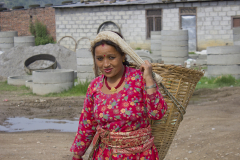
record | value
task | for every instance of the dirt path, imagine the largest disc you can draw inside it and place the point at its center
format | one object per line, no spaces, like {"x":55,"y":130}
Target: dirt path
{"x":210,"y":129}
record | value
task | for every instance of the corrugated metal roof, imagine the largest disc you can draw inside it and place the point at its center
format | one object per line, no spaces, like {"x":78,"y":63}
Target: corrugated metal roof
{"x":106,"y":3}
{"x":120,"y":3}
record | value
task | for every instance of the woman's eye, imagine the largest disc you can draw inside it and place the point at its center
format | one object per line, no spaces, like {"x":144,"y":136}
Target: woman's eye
{"x":111,"y":57}
{"x":99,"y":59}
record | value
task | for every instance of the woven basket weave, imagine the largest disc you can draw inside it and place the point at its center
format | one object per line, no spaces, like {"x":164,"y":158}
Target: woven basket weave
{"x":181,"y":83}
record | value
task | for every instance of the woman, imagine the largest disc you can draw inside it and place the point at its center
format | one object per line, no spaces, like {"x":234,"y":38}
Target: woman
{"x":118,"y":106}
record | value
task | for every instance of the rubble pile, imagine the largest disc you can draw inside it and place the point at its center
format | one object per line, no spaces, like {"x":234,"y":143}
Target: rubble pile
{"x":12,"y":61}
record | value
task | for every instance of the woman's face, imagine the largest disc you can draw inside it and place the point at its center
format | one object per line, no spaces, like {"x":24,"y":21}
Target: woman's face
{"x":109,"y":60}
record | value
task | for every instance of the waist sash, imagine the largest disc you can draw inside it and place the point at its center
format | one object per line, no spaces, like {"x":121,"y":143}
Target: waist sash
{"x":125,"y":142}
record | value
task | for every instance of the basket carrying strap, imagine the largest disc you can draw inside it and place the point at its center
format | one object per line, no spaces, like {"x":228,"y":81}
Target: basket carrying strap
{"x":175,"y":101}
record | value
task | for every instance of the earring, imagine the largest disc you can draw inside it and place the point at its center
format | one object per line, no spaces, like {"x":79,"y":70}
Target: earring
{"x":124,"y":60}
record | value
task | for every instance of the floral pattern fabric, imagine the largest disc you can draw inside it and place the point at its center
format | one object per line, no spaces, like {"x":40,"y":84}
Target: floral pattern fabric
{"x":125,"y":111}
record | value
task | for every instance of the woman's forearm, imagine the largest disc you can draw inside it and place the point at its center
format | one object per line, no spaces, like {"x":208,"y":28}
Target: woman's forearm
{"x":150,"y":82}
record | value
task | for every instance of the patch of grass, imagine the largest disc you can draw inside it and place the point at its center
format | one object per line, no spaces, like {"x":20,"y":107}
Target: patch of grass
{"x":221,"y":81}
{"x":191,"y":53}
{"x":138,"y":48}
{"x":4,"y":86}
{"x":78,"y":90}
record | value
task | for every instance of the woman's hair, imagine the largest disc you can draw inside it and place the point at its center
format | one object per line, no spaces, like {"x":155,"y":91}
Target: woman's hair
{"x":108,"y":42}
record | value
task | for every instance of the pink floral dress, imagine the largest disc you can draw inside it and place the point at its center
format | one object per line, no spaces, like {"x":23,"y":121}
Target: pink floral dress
{"x":125,"y":111}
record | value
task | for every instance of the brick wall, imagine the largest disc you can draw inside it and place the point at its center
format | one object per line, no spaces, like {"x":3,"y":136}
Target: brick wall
{"x":84,"y":22}
{"x":18,"y":20}
{"x":214,"y":25}
{"x":213,"y":22}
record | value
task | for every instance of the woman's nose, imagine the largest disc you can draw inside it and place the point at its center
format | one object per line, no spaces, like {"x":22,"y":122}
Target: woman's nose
{"x":106,"y":62}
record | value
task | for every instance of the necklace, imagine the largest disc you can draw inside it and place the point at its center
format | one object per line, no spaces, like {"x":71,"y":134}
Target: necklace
{"x":114,"y":89}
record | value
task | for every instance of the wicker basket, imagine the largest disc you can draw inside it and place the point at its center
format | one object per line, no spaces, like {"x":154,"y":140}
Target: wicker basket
{"x":181,"y":83}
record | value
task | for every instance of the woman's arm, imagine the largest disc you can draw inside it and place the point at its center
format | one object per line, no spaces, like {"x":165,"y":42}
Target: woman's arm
{"x":86,"y":128}
{"x":156,"y":106}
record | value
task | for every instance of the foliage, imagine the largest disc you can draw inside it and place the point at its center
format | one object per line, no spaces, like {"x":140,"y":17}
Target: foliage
{"x":191,"y":53}
{"x":26,"y":3}
{"x":4,"y":86}
{"x":221,"y":81}
{"x":39,"y":30}
{"x":78,"y":90}
{"x":138,"y":48}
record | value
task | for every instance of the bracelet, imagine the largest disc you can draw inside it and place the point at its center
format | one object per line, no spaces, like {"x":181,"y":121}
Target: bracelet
{"x":152,"y":86}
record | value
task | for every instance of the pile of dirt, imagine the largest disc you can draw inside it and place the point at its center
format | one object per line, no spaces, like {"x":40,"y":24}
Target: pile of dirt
{"x":12,"y":61}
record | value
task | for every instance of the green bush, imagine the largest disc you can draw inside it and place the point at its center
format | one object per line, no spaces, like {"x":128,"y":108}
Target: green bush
{"x":39,"y":30}
{"x":79,"y":90}
{"x":228,"y":80}
{"x":221,"y":81}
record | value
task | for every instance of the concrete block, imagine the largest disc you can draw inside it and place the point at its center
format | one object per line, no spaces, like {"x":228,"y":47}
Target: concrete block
{"x":174,"y":53}
{"x":175,"y":48}
{"x":231,"y":13}
{"x":85,"y":69}
{"x":236,"y":37}
{"x":83,"y":53}
{"x":236,"y":31}
{"x":223,"y":69}
{"x":175,"y":38}
{"x":237,"y":43}
{"x":174,"y":32}
{"x":155,"y":47}
{"x":222,"y":13}
{"x":174,"y":60}
{"x":155,"y":37}
{"x":226,"y":59}
{"x":175,"y":43}
{"x":223,"y":50}
{"x":87,"y":75}
{"x":158,"y":42}
{"x":84,"y":61}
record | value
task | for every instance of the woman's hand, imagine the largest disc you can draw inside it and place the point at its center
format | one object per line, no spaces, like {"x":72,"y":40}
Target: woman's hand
{"x":146,"y":68}
{"x":76,"y":157}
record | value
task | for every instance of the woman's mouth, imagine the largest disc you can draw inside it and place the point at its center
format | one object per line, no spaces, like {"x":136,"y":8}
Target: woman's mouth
{"x":108,"y":70}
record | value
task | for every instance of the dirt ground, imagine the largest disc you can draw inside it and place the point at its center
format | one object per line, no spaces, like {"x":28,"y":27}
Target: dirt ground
{"x":210,"y":129}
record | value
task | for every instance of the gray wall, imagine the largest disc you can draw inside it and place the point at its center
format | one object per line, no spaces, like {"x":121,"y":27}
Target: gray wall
{"x":214,"y":23}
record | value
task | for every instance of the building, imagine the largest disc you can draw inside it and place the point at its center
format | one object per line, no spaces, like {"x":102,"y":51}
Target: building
{"x":210,"y":23}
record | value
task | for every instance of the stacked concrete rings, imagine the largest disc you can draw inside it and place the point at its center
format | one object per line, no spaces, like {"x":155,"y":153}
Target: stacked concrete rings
{"x":174,"y":48}
{"x":29,"y":83}
{"x":24,"y":41}
{"x":236,"y":36}
{"x":223,"y":60}
{"x":18,"y":80}
{"x":52,"y":81}
{"x":156,"y":43}
{"x":84,"y":65}
{"x":7,"y":40}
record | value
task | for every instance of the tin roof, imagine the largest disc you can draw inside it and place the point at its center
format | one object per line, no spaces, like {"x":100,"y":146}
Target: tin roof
{"x":121,"y":3}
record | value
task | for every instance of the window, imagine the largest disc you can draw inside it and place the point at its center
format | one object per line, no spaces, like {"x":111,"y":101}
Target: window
{"x":235,"y":22}
{"x":154,"y":20}
{"x":187,"y":11}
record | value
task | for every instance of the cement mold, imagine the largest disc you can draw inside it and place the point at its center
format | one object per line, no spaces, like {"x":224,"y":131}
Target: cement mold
{"x":42,"y":89}
{"x":227,"y":59}
{"x":221,"y":69}
{"x":18,"y":80}
{"x":24,"y":41}
{"x":53,"y":76}
{"x":174,"y":32}
{"x":29,"y":84}
{"x":223,"y":50}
